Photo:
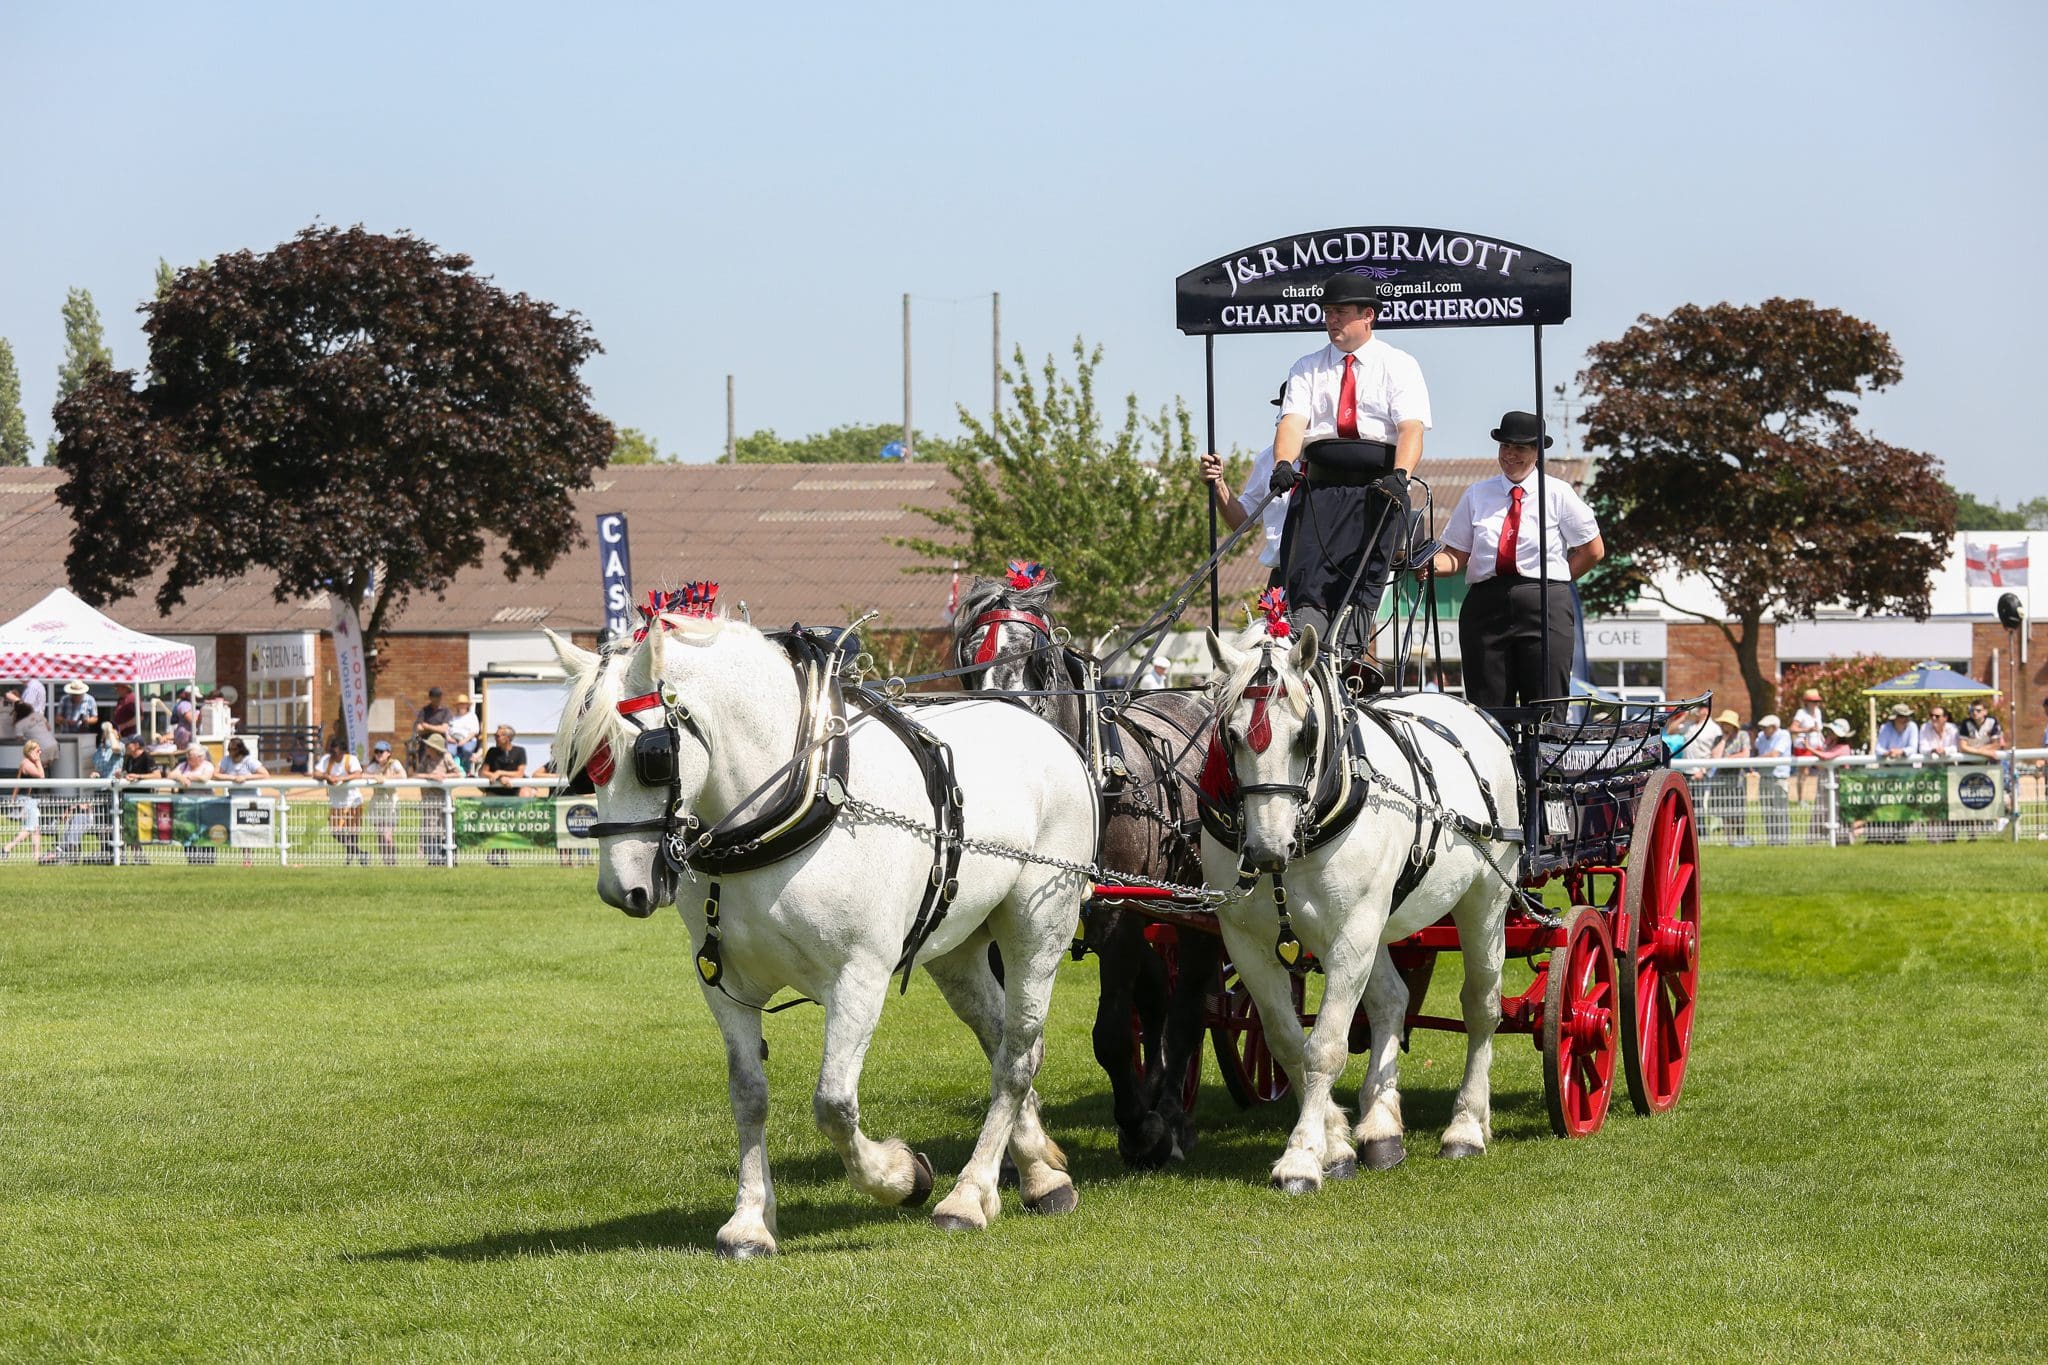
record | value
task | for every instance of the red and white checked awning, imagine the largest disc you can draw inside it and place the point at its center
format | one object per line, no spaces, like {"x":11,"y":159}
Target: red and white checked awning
{"x":61,"y":638}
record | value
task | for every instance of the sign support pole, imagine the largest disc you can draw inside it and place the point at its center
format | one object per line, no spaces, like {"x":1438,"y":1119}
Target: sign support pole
{"x":1209,"y":393}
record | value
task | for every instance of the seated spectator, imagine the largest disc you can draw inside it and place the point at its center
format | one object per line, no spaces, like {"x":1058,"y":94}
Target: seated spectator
{"x":239,"y":765}
{"x":431,"y":719}
{"x":125,"y":723}
{"x":1979,"y":734}
{"x":464,"y":730}
{"x":78,"y":712}
{"x":28,"y":803}
{"x":504,"y":762}
{"x":1938,"y":737}
{"x":136,"y":764}
{"x":196,"y":769}
{"x":1834,"y":740}
{"x":1898,"y":737}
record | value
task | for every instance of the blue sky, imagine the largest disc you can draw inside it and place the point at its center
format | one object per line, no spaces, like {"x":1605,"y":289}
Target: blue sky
{"x":750,"y":189}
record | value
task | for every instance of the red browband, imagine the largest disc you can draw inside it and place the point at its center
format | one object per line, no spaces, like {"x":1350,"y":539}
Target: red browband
{"x":992,"y":619}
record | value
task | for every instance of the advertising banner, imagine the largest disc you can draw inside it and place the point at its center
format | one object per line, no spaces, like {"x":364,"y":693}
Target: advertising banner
{"x":254,"y":822}
{"x":1425,"y":277}
{"x":353,"y":683}
{"x":574,"y":815}
{"x":188,"y":820}
{"x":1904,"y":795}
{"x":504,"y":822}
{"x":615,"y":575}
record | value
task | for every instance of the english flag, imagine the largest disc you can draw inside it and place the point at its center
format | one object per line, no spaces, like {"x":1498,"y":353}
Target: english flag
{"x":953,"y":597}
{"x":1994,"y":565}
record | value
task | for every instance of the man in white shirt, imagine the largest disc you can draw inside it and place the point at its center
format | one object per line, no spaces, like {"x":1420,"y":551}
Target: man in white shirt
{"x":1898,"y":737}
{"x":1235,"y":511}
{"x":1353,"y":415}
{"x":1772,"y":742}
{"x":1498,"y":538}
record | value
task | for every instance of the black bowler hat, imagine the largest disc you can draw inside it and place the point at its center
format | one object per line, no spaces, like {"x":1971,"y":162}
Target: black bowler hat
{"x":1520,"y":429}
{"x":1345,"y":287}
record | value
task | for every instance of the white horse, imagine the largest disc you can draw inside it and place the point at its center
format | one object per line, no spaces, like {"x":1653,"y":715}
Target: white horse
{"x":1340,"y":893}
{"x":831,"y":920}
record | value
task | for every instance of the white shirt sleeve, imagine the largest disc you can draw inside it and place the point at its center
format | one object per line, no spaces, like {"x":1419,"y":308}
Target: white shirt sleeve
{"x":1255,"y":482}
{"x":1458,"y":530}
{"x":1407,"y":394}
{"x":1576,"y":525}
{"x":1300,"y":401}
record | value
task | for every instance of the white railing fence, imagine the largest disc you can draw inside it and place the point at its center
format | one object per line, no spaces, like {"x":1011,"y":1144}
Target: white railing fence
{"x":1858,"y":799}
{"x":292,"y":822}
{"x":418,"y":822}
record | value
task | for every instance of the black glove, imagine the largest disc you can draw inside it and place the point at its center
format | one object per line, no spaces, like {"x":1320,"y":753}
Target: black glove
{"x":1285,"y":476}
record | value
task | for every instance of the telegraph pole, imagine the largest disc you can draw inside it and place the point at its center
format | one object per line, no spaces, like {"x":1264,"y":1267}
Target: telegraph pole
{"x":995,"y":314}
{"x":909,"y":445}
{"x":729,"y":451}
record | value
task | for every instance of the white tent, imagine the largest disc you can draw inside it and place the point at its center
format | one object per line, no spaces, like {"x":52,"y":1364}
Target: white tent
{"x":61,"y":637}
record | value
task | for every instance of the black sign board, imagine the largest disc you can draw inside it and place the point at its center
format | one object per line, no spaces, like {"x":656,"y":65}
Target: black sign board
{"x":615,"y":575}
{"x":1425,"y":277}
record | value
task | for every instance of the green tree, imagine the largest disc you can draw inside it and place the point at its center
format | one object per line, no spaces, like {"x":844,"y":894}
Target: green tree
{"x":348,"y":406}
{"x":14,"y":442}
{"x":1733,"y":455}
{"x":630,"y":445}
{"x":1049,"y":481}
{"x":1974,"y":514}
{"x":852,"y":444}
{"x":85,"y":342}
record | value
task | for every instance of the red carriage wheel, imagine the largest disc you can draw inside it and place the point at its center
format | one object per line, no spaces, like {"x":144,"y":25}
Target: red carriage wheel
{"x":1660,"y":945}
{"x":1250,"y":1073}
{"x":1580,"y":1026}
{"x":1165,"y":941}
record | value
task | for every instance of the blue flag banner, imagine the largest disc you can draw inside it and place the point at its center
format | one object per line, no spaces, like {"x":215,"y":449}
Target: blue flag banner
{"x":615,"y":575}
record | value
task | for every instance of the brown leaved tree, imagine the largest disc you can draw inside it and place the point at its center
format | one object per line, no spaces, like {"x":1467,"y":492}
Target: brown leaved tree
{"x":1731,"y":453}
{"x":347,"y":410}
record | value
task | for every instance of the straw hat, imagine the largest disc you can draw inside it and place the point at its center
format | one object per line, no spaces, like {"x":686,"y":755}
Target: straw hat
{"x":1900,"y":710}
{"x":75,"y":689}
{"x":1727,"y":718}
{"x":436,"y":743}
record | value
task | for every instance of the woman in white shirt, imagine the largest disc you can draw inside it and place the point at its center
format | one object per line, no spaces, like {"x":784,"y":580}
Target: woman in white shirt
{"x":342,"y":771}
{"x":1492,"y":537}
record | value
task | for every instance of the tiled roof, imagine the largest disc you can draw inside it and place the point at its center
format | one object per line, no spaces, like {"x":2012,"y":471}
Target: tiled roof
{"x":796,"y":542}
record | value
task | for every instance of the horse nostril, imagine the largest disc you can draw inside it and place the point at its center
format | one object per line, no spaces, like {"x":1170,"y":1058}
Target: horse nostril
{"x":636,"y":900}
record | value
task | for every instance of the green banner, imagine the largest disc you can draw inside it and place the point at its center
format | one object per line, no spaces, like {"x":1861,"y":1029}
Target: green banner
{"x":1903,"y":795}
{"x":504,"y":822}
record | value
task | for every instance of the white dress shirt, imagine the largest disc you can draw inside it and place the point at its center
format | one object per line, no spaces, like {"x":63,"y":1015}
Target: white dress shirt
{"x":1275,"y":515}
{"x":1937,"y":741}
{"x":1387,"y":385}
{"x":1476,"y":523}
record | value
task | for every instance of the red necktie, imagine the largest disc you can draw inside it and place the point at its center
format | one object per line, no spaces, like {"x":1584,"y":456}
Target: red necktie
{"x":1505,"y":563}
{"x":1347,"y":401}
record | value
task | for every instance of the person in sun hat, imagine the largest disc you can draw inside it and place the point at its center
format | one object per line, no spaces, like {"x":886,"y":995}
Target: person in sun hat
{"x":1805,"y":732}
{"x":383,"y":770}
{"x":1898,"y":737}
{"x":1834,"y":740}
{"x":78,"y":712}
{"x":465,"y":729}
{"x":1728,"y":789}
{"x":1350,"y":434}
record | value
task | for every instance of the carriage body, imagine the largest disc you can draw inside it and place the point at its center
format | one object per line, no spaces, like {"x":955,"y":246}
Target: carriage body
{"x":1608,"y":821}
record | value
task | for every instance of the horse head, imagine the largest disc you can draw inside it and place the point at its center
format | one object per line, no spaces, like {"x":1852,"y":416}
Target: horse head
{"x":628,"y":737}
{"x":1004,"y":631}
{"x":1271,"y":747}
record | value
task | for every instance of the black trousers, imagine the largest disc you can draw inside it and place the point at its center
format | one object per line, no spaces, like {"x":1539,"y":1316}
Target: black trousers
{"x":1500,"y":633}
{"x":1330,"y":528}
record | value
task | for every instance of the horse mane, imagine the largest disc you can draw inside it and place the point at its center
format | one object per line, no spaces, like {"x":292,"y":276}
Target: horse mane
{"x":1230,"y":690}
{"x":591,"y":718}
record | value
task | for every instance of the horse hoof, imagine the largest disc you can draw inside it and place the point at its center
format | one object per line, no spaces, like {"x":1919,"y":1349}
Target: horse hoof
{"x":953,"y":1222}
{"x":1458,"y":1151}
{"x":1343,"y":1169}
{"x":1059,"y":1199}
{"x":744,"y":1251}
{"x":921,"y":1181}
{"x":1382,"y":1154}
{"x":1296,"y":1184}
{"x":1147,"y":1149}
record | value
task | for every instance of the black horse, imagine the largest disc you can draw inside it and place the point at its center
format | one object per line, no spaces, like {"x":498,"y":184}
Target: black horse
{"x":1153,"y":761}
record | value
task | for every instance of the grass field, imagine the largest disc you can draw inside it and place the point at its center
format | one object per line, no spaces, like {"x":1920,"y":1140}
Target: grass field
{"x":479,"y":1116}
